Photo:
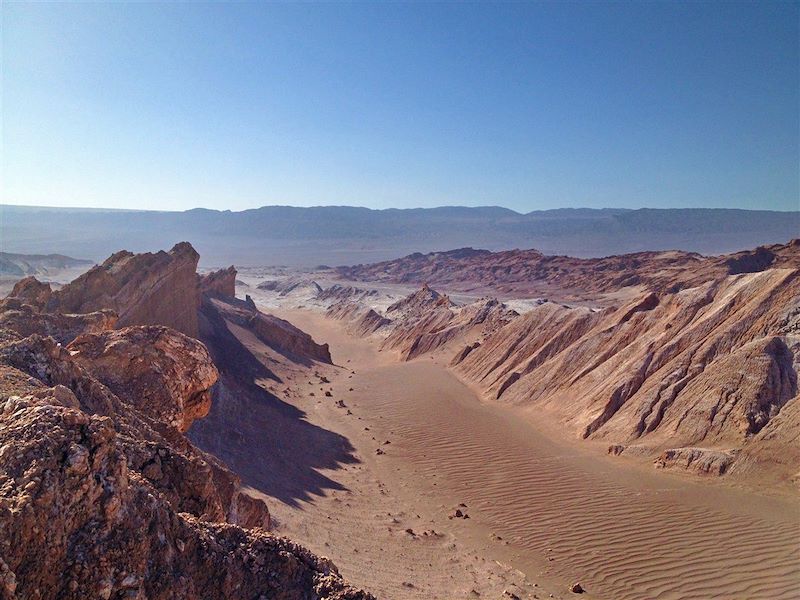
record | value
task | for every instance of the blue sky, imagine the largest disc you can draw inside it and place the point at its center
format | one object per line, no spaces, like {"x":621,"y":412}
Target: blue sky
{"x":529,"y":106}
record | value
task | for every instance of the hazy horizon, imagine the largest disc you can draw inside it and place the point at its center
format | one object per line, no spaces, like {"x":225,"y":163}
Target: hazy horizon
{"x":399,"y":208}
{"x":528,"y":106}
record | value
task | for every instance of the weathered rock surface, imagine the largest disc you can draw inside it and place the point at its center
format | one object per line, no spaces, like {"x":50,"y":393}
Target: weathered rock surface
{"x":695,"y":363}
{"x":710,"y":366}
{"x":526,"y":272}
{"x":101,"y":494}
{"x":221,"y":283}
{"x":143,"y":289}
{"x":276,"y":333}
{"x":699,"y":460}
{"x":280,"y":334}
{"x":26,"y":320}
{"x":420,"y":323}
{"x":162,"y":373}
{"x":78,"y":523}
{"x":192,"y":481}
{"x":32,"y":291}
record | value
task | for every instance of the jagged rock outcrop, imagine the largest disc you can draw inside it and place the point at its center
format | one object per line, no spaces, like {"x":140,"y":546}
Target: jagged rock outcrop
{"x":221,"y":282}
{"x":32,"y":291}
{"x":160,"y":372}
{"x":143,"y":289}
{"x":101,"y":493}
{"x":280,"y":334}
{"x":78,"y":523}
{"x":190,"y":480}
{"x":26,"y":320}
{"x":370,"y":322}
{"x":420,"y":302}
{"x":363,"y":321}
{"x":419,"y":323}
{"x":276,"y":333}
{"x":706,"y":368}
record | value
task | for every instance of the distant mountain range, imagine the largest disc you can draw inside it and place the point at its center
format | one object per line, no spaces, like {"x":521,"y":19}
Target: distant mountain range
{"x":343,"y":235}
{"x":20,"y":265}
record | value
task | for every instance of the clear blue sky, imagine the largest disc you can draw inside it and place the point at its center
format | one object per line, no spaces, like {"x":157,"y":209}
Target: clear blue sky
{"x":529,"y":106}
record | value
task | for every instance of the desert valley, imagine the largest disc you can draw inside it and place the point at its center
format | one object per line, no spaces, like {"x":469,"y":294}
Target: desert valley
{"x":459,"y":424}
{"x":400,"y":300}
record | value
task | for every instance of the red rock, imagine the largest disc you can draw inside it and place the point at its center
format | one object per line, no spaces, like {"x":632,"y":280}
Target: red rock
{"x":32,"y":291}
{"x":161,"y":372}
{"x":143,"y":289}
{"x":220,"y":283}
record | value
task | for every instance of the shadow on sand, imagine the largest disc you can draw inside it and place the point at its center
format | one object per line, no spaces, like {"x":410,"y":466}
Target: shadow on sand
{"x":266,"y":441}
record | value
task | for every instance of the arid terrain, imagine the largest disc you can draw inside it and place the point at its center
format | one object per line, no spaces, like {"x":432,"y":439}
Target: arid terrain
{"x":465,"y":424}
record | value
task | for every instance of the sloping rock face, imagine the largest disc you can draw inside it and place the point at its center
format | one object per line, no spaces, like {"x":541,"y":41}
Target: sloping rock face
{"x":281,"y":334}
{"x":101,"y":493}
{"x":78,"y":523}
{"x":25,"y":320}
{"x":363,"y":321}
{"x":474,"y":321}
{"x":420,"y":302}
{"x":525,"y":272}
{"x":32,"y":291}
{"x":710,"y":367}
{"x":421,"y":322}
{"x":276,"y":333}
{"x":340,"y":293}
{"x":143,"y":289}
{"x":221,"y":283}
{"x":163,"y":374}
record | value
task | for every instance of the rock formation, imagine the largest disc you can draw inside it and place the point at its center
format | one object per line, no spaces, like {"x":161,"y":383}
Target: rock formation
{"x":691,"y":360}
{"x":221,"y":283}
{"x":25,"y":319}
{"x":419,"y":323}
{"x":529,"y":272}
{"x":101,"y":494}
{"x":32,"y":291}
{"x":143,"y":289}
{"x":704,"y":369}
{"x":167,"y":376}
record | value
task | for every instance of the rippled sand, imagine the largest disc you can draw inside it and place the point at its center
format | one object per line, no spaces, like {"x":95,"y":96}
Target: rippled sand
{"x":555,"y":510}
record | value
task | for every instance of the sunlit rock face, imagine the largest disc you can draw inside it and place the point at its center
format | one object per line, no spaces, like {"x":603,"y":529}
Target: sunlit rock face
{"x":143,"y":289}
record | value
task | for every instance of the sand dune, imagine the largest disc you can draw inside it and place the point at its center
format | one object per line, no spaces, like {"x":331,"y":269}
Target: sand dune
{"x":563,"y":513}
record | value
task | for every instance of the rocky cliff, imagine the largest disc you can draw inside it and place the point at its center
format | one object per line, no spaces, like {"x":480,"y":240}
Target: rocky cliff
{"x":101,"y":493}
{"x":143,"y":289}
{"x":221,"y":283}
{"x":705,"y":369}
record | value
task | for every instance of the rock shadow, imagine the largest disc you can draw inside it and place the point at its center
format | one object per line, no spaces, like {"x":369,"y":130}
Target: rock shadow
{"x":265,"y":440}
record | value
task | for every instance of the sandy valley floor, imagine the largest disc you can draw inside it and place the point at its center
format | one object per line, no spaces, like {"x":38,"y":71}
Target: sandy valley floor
{"x":542,"y":514}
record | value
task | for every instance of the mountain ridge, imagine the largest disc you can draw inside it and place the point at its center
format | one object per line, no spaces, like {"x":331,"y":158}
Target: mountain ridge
{"x":341,"y":235}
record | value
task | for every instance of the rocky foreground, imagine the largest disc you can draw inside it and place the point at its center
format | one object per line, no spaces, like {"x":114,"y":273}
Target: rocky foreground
{"x":101,"y":493}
